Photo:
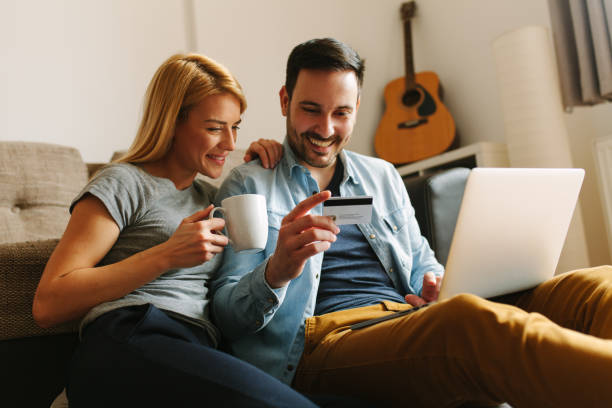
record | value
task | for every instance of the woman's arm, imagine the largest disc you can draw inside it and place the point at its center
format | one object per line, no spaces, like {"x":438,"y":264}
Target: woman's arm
{"x":71,"y":284}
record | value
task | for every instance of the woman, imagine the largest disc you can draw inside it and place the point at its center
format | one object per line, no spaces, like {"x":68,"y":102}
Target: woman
{"x":139,"y":250}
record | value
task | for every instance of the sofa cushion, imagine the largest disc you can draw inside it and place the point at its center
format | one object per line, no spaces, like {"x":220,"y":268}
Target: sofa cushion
{"x":436,"y":199}
{"x":38,"y":182}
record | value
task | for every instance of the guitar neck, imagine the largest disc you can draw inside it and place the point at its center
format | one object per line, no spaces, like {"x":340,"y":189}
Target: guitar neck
{"x":408,"y":61}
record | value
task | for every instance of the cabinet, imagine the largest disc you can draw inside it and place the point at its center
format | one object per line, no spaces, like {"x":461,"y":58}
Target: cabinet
{"x":481,"y":154}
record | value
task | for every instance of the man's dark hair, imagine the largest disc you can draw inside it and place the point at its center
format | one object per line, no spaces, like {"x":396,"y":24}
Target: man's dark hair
{"x":326,"y":54}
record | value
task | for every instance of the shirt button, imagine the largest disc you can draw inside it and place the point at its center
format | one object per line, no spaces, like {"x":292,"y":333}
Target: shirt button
{"x":372,"y":236}
{"x":317,"y":276}
{"x":391,"y":270}
{"x":258,"y":323}
{"x":395,"y":228}
{"x":270,"y":300}
{"x":290,"y":367}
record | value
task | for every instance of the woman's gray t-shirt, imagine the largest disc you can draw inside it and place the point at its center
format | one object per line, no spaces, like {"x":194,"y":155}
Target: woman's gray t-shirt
{"x":148,"y":210}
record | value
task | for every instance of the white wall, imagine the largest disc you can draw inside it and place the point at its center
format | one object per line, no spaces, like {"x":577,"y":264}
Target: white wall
{"x":74,"y":72}
{"x":254,"y":39}
{"x":452,"y":38}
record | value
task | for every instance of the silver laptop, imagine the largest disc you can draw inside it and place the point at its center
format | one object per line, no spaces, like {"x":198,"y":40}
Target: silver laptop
{"x":509,"y":234}
{"x":510,"y":230}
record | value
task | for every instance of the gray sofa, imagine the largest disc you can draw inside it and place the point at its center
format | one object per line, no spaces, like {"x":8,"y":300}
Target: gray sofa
{"x":37,"y":183}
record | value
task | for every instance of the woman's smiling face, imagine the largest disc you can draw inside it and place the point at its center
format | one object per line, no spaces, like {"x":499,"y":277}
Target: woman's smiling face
{"x":204,"y":139}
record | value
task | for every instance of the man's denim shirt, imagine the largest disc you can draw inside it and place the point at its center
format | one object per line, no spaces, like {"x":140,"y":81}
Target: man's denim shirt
{"x":266,"y":326}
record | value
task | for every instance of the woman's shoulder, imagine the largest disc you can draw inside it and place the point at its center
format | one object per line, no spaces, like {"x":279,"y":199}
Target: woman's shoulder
{"x":124,"y":180}
{"x":120,"y":171}
{"x":115,"y":185}
{"x":127,"y":174}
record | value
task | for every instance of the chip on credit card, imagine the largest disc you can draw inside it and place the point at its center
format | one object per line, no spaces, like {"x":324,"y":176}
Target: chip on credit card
{"x":349,"y":210}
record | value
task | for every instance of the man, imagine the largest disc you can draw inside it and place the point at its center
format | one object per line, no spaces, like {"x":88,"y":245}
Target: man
{"x":289,"y":309}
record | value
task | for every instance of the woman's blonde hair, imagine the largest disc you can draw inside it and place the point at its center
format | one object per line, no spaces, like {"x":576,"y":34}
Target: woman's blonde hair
{"x":180,"y":83}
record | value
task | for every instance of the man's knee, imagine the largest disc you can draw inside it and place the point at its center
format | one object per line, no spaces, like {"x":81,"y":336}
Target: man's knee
{"x":462,"y":310}
{"x":464,"y":305}
{"x":596,"y":279}
{"x":603,"y":272}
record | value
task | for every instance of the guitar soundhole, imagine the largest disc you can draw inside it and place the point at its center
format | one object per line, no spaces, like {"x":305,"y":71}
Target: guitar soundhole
{"x":411,"y":98}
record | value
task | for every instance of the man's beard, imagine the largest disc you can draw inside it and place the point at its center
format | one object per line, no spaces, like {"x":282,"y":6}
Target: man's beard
{"x":298,"y":145}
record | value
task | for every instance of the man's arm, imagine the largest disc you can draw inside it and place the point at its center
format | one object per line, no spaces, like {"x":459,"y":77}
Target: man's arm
{"x":249,"y":288}
{"x":242,"y":300}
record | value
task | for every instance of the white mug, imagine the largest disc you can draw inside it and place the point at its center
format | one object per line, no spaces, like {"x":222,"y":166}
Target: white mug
{"x":246,"y":221}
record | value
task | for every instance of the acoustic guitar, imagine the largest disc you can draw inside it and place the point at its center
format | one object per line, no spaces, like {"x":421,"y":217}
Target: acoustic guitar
{"x":416,"y":124}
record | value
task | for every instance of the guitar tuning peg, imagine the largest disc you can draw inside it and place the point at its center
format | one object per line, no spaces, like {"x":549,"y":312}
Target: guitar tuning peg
{"x":407,"y":10}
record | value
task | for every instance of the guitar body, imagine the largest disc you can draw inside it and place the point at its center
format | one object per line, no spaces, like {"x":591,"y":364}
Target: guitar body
{"x":416,"y":124}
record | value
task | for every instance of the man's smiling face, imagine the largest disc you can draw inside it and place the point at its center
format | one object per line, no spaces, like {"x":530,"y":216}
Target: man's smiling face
{"x":320,"y":114}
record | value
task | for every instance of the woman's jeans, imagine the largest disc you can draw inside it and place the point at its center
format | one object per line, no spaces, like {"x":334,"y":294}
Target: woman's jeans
{"x":139,"y":356}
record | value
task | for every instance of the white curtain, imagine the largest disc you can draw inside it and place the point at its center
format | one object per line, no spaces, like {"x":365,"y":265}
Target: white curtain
{"x":583,"y":44}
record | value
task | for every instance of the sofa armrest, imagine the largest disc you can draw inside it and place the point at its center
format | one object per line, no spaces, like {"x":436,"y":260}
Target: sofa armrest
{"x":21,"y":265}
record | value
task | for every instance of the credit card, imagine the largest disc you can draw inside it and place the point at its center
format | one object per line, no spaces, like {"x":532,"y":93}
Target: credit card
{"x":349,"y":210}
